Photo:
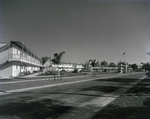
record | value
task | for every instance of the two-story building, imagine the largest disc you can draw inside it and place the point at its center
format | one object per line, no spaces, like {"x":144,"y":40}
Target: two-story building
{"x":17,"y":59}
{"x":67,"y":66}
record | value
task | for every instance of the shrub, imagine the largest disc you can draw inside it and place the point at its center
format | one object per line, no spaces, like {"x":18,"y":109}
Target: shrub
{"x":35,"y":71}
{"x":75,"y":71}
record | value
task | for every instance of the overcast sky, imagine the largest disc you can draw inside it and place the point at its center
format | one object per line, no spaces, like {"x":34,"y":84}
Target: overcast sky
{"x":84,"y":30}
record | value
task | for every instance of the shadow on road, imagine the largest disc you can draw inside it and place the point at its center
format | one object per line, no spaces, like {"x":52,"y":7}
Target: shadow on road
{"x":30,"y":110}
{"x":116,"y":112}
{"x":134,"y":104}
{"x":109,"y":88}
{"x":27,"y":107}
{"x":104,"y":89}
{"x":118,"y":79}
{"x":142,"y":88}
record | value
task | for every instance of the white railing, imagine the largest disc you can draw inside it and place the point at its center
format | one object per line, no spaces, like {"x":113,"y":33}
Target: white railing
{"x":20,"y":57}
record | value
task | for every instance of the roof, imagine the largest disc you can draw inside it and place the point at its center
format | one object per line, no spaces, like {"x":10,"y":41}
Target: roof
{"x":3,"y":44}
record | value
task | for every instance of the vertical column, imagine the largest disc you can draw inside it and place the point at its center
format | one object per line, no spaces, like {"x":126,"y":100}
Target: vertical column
{"x":126,"y":65}
{"x":121,"y":69}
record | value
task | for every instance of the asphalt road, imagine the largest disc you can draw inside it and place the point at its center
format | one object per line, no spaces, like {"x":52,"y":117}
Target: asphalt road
{"x":76,"y":98}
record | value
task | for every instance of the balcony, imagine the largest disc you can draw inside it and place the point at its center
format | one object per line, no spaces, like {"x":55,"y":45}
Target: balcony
{"x":17,"y":57}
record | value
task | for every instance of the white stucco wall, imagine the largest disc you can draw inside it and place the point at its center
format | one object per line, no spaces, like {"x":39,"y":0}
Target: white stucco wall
{"x":6,"y":71}
{"x":6,"y":52}
{"x":15,"y":70}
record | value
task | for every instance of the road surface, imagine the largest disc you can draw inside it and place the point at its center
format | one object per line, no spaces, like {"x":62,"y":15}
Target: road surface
{"x":70,"y":98}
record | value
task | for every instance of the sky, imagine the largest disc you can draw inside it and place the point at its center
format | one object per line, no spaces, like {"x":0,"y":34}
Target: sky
{"x":84,"y":29}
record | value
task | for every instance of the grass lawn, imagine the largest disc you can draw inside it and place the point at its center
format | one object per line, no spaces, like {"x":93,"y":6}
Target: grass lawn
{"x":65,"y":74}
{"x":134,"y":104}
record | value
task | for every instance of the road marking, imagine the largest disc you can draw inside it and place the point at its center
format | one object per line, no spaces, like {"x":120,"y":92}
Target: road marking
{"x":59,"y":84}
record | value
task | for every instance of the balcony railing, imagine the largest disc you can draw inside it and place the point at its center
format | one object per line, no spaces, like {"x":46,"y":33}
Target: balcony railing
{"x":19,"y":57}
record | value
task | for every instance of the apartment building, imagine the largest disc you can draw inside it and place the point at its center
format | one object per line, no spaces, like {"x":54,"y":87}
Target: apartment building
{"x":17,"y":59}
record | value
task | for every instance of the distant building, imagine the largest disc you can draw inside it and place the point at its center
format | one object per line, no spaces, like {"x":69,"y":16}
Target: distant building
{"x":105,"y":69}
{"x":125,"y":69}
{"x":68,"y":67}
{"x":17,"y":59}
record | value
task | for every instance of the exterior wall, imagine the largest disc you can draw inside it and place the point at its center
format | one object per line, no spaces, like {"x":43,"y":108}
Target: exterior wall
{"x":79,"y":66}
{"x":67,"y":67}
{"x":18,"y":69}
{"x":18,"y":53}
{"x":3,"y":54}
{"x":16,"y":50}
{"x":6,"y":71}
{"x":36,"y":68}
{"x":64,"y":66}
{"x":15,"y":70}
{"x":6,"y":52}
{"x":28,"y":62}
{"x":29,"y":69}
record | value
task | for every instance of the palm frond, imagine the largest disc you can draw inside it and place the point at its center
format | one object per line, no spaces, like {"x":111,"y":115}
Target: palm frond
{"x":55,"y":55}
{"x":94,"y":60}
{"x":90,"y":60}
{"x":60,"y":56}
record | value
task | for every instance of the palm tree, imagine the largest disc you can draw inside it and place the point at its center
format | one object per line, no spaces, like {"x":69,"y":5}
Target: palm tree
{"x":112,"y":64}
{"x":57,"y":59}
{"x":44,"y":59}
{"x":104,"y":63}
{"x":145,"y":66}
{"x":134,"y":67}
{"x":93,"y":64}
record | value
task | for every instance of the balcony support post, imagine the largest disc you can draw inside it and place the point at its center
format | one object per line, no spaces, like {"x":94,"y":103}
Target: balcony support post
{"x":21,"y":56}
